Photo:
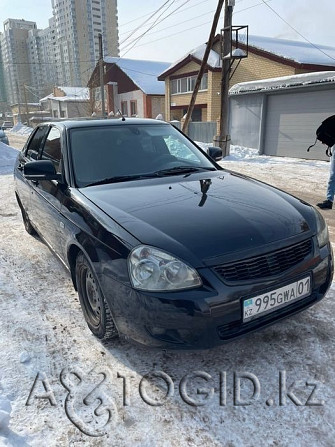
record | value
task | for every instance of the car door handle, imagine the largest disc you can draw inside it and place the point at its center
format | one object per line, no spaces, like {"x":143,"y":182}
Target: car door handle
{"x":35,"y":182}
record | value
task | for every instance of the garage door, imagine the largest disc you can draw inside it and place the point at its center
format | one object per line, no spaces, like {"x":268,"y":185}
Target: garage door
{"x":291,"y":121}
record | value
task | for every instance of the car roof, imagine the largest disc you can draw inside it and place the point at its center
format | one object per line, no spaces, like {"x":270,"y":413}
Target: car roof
{"x":70,"y":124}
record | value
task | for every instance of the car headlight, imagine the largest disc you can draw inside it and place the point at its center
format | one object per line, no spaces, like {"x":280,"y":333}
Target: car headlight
{"x":322,"y":229}
{"x":152,"y":269}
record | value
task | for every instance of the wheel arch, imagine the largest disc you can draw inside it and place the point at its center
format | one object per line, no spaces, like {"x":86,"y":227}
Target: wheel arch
{"x":89,"y":252}
{"x":72,"y":254}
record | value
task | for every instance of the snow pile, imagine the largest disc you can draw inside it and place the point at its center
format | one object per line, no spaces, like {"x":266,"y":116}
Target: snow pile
{"x":283,"y":82}
{"x":7,"y":158}
{"x":5,"y":414}
{"x":301,"y":52}
{"x":21,"y":129}
{"x":236,"y":152}
{"x":213,"y":61}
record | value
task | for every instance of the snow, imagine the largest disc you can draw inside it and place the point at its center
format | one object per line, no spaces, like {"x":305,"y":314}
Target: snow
{"x":76,"y":92}
{"x":7,"y":158}
{"x":50,"y":362}
{"x":300,"y":52}
{"x":71,"y":94}
{"x":143,"y":73}
{"x":300,"y":80}
{"x":21,"y":129}
{"x":213,"y":61}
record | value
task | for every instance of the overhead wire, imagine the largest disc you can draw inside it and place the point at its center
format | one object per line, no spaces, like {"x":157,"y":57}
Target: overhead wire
{"x":151,"y":26}
{"x":201,"y":15}
{"x":295,"y":30}
{"x":178,"y":12}
{"x":155,"y":24}
{"x":193,"y":27}
{"x":140,"y":26}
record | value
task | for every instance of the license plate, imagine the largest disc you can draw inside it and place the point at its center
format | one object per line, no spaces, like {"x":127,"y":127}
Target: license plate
{"x":267,"y":302}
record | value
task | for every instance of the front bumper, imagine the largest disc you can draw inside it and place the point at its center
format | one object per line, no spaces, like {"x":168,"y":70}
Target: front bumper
{"x":211,"y":315}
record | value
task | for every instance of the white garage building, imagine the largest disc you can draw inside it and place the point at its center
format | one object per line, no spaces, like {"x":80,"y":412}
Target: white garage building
{"x":279,"y":116}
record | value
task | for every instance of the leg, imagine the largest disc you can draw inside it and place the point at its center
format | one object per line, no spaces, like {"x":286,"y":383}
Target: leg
{"x":331,"y":181}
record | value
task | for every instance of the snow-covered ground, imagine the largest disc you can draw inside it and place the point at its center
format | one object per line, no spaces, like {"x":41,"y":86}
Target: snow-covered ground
{"x":21,"y":129}
{"x":50,"y":362}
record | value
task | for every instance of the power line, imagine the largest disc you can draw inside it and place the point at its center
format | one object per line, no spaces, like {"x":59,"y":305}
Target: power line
{"x":155,"y":23}
{"x":164,"y":18}
{"x":152,"y":15}
{"x":192,"y":28}
{"x":178,"y":12}
{"x":195,"y":27}
{"x":305,"y":38}
{"x":181,"y":23}
{"x":201,"y":15}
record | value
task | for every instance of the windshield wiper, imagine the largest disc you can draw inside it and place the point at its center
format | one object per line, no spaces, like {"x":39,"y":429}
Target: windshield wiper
{"x":120,"y":178}
{"x":160,"y":173}
{"x":182,"y":170}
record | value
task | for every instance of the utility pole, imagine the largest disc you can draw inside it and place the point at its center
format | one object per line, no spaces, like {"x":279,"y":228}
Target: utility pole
{"x":19,"y":101}
{"x":203,"y":65}
{"x":26,"y":103}
{"x":101,"y":72}
{"x":223,"y":139}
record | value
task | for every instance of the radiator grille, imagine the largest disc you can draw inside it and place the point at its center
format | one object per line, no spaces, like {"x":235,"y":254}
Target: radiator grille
{"x":267,"y":265}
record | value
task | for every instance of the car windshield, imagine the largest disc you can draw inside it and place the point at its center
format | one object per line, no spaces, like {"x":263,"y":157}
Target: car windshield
{"x":107,"y":154}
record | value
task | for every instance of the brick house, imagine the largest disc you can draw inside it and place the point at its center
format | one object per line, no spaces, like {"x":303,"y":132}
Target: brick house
{"x":131,"y":87}
{"x":267,"y":58}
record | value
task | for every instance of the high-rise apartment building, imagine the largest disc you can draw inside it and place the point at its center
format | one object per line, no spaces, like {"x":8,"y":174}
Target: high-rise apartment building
{"x":63,"y":54}
{"x":15,"y":57}
{"x":3,"y":95}
{"x":41,"y":48}
{"x":77,"y":26}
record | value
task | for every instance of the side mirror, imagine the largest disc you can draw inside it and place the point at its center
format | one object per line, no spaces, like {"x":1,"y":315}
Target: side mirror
{"x":215,"y":153}
{"x":40,"y":170}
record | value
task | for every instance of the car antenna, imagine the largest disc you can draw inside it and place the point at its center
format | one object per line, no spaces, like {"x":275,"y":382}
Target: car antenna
{"x":123,"y":118}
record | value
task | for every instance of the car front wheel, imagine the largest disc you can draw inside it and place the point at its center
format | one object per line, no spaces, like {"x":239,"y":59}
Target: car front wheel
{"x":96,"y":311}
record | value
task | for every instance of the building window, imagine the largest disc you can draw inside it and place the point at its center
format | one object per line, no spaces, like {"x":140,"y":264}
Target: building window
{"x":124,"y":108}
{"x":187,"y":84}
{"x":133,"y":108}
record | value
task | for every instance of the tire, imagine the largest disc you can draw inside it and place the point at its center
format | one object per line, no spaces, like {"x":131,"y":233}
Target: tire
{"x":26,"y":221}
{"x":95,"y":309}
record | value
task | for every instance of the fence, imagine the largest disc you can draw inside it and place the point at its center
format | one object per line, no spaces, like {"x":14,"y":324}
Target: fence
{"x":203,"y":131}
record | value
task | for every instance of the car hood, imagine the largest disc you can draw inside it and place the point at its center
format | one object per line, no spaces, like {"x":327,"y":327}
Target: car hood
{"x":204,"y":216}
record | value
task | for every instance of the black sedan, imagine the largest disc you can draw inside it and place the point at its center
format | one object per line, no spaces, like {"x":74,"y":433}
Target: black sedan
{"x":164,"y":246}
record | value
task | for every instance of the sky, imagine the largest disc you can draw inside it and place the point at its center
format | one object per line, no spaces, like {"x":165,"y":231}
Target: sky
{"x":190,"y":22}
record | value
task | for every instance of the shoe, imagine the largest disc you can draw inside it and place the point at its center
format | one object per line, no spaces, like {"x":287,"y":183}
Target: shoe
{"x":325,"y":205}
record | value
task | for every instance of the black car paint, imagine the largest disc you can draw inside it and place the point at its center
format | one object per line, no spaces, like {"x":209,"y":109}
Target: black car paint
{"x":106,"y":222}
